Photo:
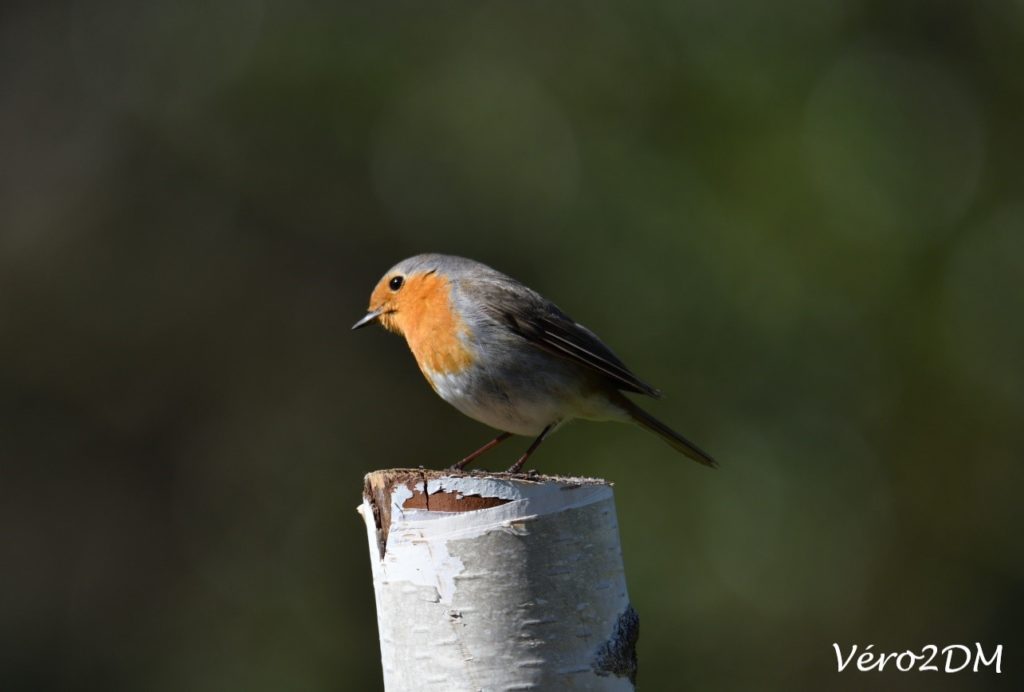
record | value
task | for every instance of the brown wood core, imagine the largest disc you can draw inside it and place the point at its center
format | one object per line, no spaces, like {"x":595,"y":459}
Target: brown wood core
{"x":451,"y":501}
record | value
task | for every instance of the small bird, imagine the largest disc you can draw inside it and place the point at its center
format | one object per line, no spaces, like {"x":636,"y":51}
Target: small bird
{"x":504,"y":355}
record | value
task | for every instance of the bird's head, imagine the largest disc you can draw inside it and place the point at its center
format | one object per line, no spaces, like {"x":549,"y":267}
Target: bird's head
{"x":412,"y":291}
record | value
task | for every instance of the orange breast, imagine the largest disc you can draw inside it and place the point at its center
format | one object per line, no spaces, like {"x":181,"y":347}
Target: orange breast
{"x":432,"y":328}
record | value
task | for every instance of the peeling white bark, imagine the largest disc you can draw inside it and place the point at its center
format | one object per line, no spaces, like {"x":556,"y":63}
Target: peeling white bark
{"x":526,"y":594}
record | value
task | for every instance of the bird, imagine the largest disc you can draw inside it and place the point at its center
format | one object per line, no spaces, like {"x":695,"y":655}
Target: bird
{"x":505,"y":356}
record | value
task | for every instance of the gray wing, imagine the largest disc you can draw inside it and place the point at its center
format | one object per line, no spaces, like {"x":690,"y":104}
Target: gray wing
{"x":540,"y":322}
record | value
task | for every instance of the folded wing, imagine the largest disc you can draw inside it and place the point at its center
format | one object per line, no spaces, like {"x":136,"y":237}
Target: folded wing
{"x":539,"y":321}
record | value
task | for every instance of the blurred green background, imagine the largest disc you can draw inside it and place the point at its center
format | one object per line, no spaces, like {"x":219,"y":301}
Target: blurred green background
{"x":802,"y":220}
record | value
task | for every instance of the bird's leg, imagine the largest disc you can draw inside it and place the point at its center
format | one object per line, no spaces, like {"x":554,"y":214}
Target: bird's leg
{"x":529,"y":450}
{"x":459,"y":465}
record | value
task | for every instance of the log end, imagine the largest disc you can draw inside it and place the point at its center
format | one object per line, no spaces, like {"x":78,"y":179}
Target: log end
{"x":445,"y":491}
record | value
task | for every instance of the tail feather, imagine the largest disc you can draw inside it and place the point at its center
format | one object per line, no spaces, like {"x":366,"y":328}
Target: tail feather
{"x":670,"y":436}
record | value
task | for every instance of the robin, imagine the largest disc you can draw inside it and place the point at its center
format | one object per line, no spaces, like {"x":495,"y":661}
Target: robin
{"x":506,"y":356}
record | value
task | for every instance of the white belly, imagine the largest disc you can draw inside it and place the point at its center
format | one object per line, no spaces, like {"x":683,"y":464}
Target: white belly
{"x":520,"y":413}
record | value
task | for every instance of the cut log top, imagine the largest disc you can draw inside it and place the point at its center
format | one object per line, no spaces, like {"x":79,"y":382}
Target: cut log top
{"x":455,"y":491}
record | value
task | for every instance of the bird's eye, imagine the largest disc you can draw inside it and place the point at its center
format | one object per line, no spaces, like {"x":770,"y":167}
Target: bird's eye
{"x":396,"y":283}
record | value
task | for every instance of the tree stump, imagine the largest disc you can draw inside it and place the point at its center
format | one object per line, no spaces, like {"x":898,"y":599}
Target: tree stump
{"x":491,"y":581}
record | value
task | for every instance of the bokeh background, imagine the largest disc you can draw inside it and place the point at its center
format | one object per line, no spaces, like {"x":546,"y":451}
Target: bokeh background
{"x":802,"y":220}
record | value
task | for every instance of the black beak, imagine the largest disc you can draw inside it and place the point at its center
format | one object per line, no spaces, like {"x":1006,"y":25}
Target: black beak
{"x":369,"y":318}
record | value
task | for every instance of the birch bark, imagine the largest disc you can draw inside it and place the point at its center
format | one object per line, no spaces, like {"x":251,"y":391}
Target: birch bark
{"x":498,"y":582}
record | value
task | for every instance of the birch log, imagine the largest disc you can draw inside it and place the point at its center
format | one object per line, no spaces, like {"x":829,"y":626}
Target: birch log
{"x":498,"y":582}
